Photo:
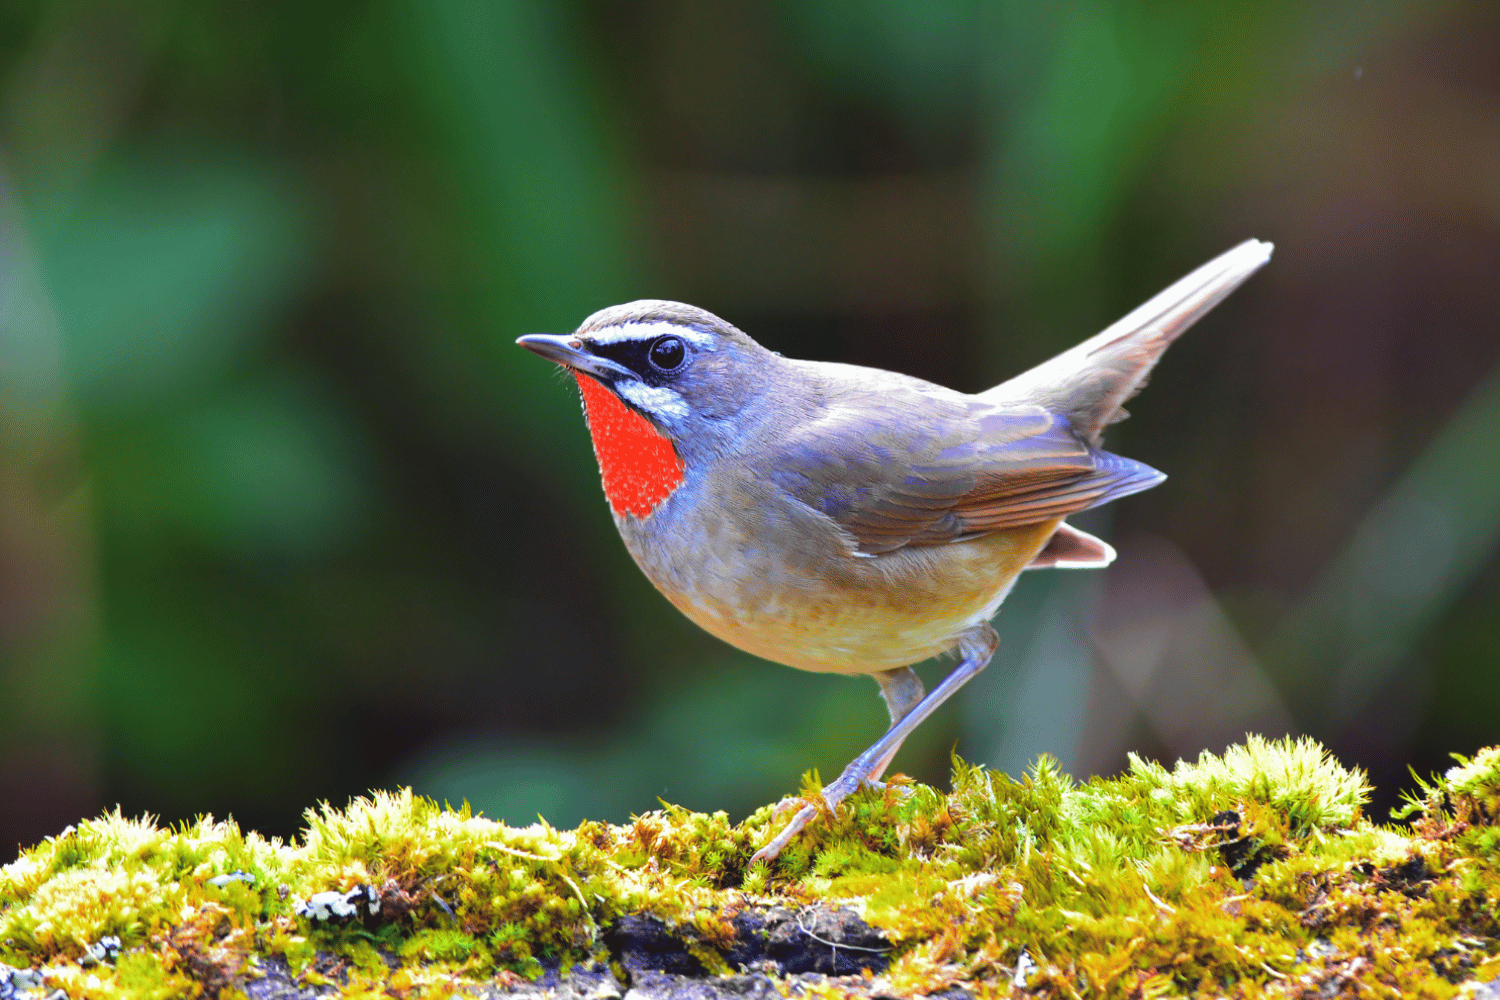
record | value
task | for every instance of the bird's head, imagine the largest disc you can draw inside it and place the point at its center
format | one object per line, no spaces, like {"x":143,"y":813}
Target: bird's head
{"x":662,"y":383}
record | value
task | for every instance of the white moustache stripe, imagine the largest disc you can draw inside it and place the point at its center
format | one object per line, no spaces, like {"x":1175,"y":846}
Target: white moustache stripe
{"x":650,"y":331}
{"x":657,"y":399}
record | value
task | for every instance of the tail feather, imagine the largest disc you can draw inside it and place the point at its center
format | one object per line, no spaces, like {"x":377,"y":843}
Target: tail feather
{"x":1090,"y":383}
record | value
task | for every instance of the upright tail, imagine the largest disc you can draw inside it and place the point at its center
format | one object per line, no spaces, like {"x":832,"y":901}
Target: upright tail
{"x":1090,"y":383}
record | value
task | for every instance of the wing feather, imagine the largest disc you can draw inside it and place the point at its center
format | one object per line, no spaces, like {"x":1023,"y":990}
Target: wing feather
{"x":965,"y":468}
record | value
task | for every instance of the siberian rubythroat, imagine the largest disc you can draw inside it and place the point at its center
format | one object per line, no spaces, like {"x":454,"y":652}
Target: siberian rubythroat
{"x":838,"y":518}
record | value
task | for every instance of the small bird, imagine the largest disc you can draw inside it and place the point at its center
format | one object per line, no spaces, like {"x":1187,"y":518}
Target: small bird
{"x":838,"y":518}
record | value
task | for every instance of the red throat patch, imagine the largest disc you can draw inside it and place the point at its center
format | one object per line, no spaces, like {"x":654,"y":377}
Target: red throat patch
{"x":640,"y":468}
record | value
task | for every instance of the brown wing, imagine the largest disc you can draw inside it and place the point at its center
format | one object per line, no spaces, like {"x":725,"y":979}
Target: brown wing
{"x":892,"y":479}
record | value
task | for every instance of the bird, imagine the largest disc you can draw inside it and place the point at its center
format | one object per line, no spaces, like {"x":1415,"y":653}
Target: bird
{"x":839,"y":518}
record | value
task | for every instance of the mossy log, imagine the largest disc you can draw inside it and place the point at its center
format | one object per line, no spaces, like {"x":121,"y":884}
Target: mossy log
{"x":1252,"y":874}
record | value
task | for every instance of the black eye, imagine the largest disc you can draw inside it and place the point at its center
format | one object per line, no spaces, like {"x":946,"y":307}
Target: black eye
{"x":668,"y":354}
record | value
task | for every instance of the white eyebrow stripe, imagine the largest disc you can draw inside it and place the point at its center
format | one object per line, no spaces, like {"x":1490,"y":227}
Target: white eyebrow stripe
{"x":622,"y":332}
{"x":653,"y":398}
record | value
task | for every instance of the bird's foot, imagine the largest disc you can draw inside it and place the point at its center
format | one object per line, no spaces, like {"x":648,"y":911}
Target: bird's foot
{"x":794,"y":802}
{"x":833,"y":794}
{"x":978,"y":645}
{"x":775,"y":847}
{"x":841,"y":790}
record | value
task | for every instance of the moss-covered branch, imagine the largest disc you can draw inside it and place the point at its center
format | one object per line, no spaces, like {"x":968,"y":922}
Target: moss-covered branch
{"x":1250,"y":874}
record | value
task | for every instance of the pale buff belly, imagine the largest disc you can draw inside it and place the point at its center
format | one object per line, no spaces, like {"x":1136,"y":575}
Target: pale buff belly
{"x":864,"y":616}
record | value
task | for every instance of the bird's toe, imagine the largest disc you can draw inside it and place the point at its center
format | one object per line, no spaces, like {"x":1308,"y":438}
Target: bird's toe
{"x":788,"y":804}
{"x":775,"y":847}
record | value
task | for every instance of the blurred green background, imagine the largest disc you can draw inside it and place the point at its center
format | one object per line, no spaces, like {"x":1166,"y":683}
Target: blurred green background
{"x":284,"y":514}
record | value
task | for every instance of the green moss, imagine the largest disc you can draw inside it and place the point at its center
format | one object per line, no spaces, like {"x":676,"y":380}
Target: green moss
{"x":143,"y":975}
{"x":1251,"y":874}
{"x":442,"y":946}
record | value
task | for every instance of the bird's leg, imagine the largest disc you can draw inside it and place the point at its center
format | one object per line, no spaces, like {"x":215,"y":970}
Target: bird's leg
{"x":976,"y":646}
{"x":902,"y":690}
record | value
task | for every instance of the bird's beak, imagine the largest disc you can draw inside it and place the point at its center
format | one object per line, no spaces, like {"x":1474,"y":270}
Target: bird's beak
{"x":570,"y":352}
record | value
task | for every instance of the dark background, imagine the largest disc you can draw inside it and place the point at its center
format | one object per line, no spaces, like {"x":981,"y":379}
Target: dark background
{"x":284,"y":514}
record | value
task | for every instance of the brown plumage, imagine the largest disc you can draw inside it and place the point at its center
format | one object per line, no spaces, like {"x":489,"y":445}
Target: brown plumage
{"x":838,"y":518}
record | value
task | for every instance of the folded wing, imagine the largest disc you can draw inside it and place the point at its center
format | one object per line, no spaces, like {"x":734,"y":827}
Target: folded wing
{"x":968,"y":467}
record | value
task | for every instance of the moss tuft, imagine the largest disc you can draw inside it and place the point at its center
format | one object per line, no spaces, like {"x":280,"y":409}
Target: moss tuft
{"x":1249,"y":874}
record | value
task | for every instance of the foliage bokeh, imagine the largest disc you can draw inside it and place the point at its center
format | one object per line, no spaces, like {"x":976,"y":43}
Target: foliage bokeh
{"x":284,"y":514}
